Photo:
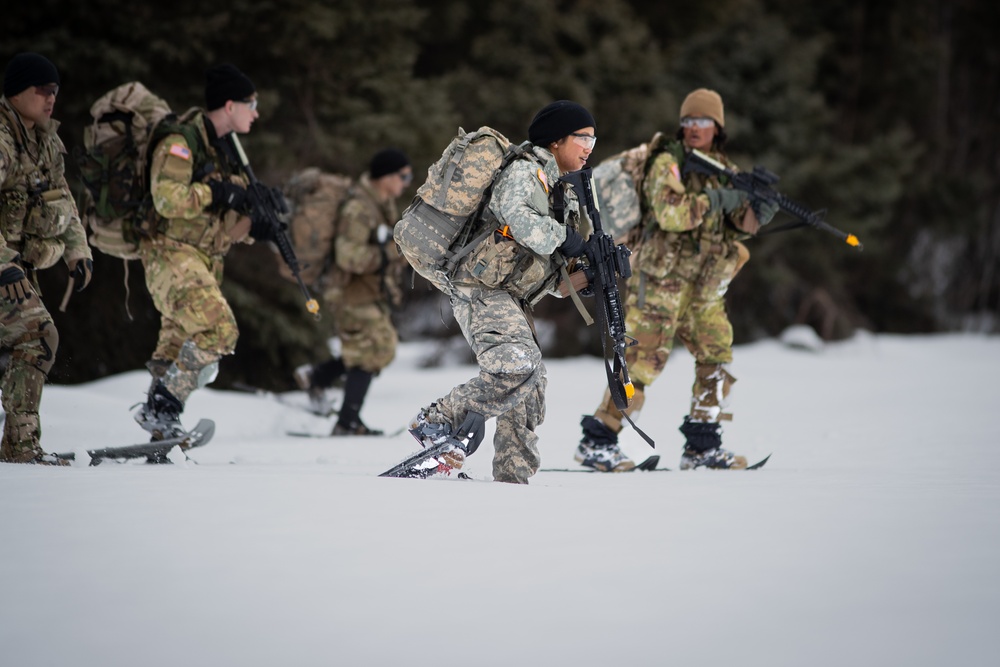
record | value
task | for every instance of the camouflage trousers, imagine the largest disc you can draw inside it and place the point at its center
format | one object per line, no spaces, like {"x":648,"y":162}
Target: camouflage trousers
{"x":511,"y":381}
{"x":367,"y":336}
{"x":28,"y":333}
{"x":184,"y":284}
{"x":687,"y":304}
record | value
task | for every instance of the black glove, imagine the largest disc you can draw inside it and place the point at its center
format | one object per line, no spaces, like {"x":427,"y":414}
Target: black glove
{"x":227,"y":196}
{"x":473,"y":428}
{"x":726,"y":199}
{"x":574,"y":245}
{"x":14,"y":286}
{"x":764,"y":210}
{"x":81,"y":270}
{"x":261,"y":228}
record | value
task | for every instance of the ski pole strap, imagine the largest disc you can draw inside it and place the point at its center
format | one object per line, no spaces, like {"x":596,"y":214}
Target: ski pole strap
{"x":577,"y":301}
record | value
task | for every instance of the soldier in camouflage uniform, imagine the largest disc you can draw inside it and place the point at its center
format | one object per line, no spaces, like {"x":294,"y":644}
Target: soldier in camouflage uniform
{"x":688,"y":254}
{"x":39,"y":224}
{"x":496,"y":285}
{"x":201,"y":192}
{"x":364,"y":287}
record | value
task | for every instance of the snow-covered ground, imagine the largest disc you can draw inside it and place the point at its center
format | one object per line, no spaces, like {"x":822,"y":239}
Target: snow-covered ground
{"x":872,"y":537}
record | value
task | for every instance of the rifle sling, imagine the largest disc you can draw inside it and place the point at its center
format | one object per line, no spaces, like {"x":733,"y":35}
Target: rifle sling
{"x":615,"y":385}
{"x":794,"y":224}
{"x":577,"y":301}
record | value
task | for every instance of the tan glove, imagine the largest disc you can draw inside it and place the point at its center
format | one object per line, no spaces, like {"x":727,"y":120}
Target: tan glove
{"x":240,"y":229}
{"x":580,"y":279}
{"x":81,"y":271}
{"x":14,"y":285}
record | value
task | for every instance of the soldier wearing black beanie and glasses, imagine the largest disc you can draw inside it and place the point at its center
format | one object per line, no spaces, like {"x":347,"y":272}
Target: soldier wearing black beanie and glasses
{"x":496,"y":286}
{"x":39,"y":225}
{"x":201,"y":192}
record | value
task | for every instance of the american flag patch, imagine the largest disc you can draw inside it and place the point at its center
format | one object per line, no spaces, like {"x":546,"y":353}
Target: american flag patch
{"x":180,"y":151}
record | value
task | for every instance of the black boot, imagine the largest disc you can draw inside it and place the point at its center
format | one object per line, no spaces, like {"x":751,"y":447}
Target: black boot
{"x":598,"y":449}
{"x":703,"y":447}
{"x":161,"y":416}
{"x":328,"y":374}
{"x":355,"y":390}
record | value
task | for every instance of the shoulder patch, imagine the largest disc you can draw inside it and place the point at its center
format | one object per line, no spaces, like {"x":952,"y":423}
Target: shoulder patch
{"x":544,"y":179}
{"x":181,"y":151}
{"x":675,"y":171}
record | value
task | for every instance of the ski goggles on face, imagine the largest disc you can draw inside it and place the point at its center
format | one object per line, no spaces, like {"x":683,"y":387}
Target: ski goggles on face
{"x":584,"y":140}
{"x":700,"y":123}
{"x":251,"y":104}
{"x":45,"y":91}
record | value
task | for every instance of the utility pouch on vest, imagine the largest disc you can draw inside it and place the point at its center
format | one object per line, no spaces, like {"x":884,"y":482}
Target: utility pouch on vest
{"x":50,"y":214}
{"x":499,"y":262}
{"x":13,"y":209}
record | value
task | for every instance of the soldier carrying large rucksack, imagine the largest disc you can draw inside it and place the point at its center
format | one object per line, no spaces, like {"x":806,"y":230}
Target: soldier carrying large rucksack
{"x":343,"y":233}
{"x":522,"y":231}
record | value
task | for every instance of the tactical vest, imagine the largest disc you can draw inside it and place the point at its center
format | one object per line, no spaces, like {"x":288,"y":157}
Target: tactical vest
{"x":35,"y":208}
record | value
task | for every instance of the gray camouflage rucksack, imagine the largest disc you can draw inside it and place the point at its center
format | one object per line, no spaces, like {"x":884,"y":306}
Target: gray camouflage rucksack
{"x":619,"y":181}
{"x":435,"y":229}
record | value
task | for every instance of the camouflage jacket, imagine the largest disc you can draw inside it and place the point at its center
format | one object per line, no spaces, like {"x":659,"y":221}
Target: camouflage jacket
{"x":183,"y":196}
{"x":367,"y":268}
{"x":676,"y":222}
{"x":525,"y":261}
{"x":38,"y":217}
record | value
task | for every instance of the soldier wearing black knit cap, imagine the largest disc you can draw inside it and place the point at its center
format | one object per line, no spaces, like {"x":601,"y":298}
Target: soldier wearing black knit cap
{"x":498,"y":283}
{"x":200,"y":190}
{"x":362,"y":287}
{"x":39,"y":225}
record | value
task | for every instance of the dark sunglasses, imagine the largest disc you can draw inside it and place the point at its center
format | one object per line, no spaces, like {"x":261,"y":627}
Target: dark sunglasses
{"x":45,"y":91}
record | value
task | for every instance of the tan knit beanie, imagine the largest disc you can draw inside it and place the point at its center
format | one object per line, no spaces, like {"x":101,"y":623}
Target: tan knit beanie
{"x":704,"y":102}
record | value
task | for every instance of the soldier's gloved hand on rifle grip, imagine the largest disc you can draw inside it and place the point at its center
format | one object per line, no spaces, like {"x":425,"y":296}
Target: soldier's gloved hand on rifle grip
{"x":14,"y":286}
{"x":574,"y":244}
{"x":765,"y":210}
{"x":726,"y":199}
{"x":227,"y":195}
{"x":81,"y":270}
{"x":261,"y":228}
{"x":473,"y":428}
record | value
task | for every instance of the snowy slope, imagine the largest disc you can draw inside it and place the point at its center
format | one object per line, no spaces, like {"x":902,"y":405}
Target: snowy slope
{"x":872,"y":537}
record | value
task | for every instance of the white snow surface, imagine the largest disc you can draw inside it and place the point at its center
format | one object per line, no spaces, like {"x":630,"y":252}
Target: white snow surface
{"x":872,"y":537}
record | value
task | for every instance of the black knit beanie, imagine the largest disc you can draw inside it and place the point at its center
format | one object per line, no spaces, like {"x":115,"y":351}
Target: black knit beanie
{"x":387,"y":161}
{"x":28,"y":69}
{"x":224,"y":83}
{"x":558,"y":120}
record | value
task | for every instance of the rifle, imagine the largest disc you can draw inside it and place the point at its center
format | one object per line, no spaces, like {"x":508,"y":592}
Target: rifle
{"x":758,"y":185}
{"x":608,"y":262}
{"x":270,"y":206}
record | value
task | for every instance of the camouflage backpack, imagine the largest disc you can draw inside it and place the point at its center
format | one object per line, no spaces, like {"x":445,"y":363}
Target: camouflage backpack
{"x":436,"y":228}
{"x":315,"y":199}
{"x":115,"y":203}
{"x":619,"y":181}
